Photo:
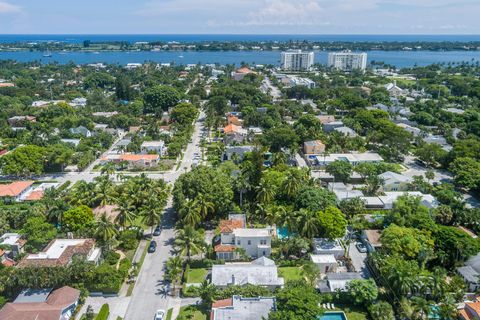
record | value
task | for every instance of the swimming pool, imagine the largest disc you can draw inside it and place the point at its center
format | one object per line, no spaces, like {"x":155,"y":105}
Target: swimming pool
{"x":333,"y":315}
{"x":282,"y":233}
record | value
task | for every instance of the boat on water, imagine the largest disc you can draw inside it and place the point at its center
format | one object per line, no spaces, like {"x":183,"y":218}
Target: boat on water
{"x":180,"y":56}
{"x":47,"y":54}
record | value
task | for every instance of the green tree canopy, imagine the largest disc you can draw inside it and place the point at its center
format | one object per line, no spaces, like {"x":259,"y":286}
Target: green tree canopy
{"x":159,"y":98}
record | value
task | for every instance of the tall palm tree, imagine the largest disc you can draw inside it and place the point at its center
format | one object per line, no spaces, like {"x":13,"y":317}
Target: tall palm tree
{"x":151,"y":212}
{"x":108,"y":169}
{"x":126,"y":214}
{"x":401,"y":280}
{"x":189,"y":241}
{"x":307,"y":223}
{"x":83,"y":193}
{"x":190,"y":213}
{"x":204,"y":206}
{"x":421,"y":308}
{"x":265,"y":193}
{"x":174,"y":270}
{"x":242,"y":185}
{"x":207,"y":292}
{"x":105,"y":230}
{"x":104,"y":190}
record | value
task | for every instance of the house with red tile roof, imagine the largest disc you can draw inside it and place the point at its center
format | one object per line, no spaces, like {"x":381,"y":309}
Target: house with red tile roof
{"x":133,"y":160}
{"x":239,"y":74}
{"x":60,"y":252}
{"x":234,"y":133}
{"x":471,"y":311}
{"x":12,"y":245}
{"x":15,"y":189}
{"x":235,"y":237}
{"x":43,"y":304}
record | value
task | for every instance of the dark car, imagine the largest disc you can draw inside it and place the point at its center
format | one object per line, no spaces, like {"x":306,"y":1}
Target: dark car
{"x":157,"y":231}
{"x":152,"y":247}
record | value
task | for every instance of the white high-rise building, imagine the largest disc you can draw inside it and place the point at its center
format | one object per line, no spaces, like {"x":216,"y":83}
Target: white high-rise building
{"x":296,"y":60}
{"x":347,"y":60}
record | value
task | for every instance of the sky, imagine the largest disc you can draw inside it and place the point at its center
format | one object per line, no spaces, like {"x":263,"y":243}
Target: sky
{"x":239,"y":17}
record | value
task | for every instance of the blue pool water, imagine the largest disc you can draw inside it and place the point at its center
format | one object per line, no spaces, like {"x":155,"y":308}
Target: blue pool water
{"x":333,"y":316}
{"x":282,"y":233}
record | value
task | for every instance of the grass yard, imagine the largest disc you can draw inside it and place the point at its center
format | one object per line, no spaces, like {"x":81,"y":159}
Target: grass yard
{"x":192,"y":313}
{"x":356,"y":316}
{"x":291,"y":273}
{"x":169,"y":314}
{"x":196,"y":275}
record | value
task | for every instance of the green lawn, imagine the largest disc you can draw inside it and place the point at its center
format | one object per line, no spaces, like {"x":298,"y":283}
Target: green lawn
{"x":192,"y":313}
{"x":196,"y":275}
{"x":356,"y":316}
{"x":169,"y":314}
{"x":291,"y":273}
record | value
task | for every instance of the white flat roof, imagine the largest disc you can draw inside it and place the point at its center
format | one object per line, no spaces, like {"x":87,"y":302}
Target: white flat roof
{"x":251,"y":232}
{"x":9,"y":238}
{"x":323,"y":258}
{"x":56,"y":249}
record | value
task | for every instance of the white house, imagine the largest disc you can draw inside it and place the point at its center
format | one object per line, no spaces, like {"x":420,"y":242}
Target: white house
{"x":394,"y":90}
{"x":327,"y":246}
{"x":81,"y":130}
{"x":393,"y":181}
{"x":325,"y":262}
{"x":234,"y":237}
{"x":353,"y":158}
{"x":470,"y":273}
{"x":151,"y":147}
{"x":236,"y":152}
{"x":261,"y":272}
{"x":78,"y":102}
{"x":237,"y":308}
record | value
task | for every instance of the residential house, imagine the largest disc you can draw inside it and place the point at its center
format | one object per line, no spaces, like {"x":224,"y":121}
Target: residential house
{"x":313,"y":147}
{"x":325,"y":262}
{"x":346,"y":131}
{"x":261,"y":272}
{"x":12,"y":245}
{"x":391,"y":197}
{"x":234,"y":236}
{"x":78,"y":102}
{"x":15,"y":190}
{"x":121,"y":146}
{"x":42,"y":104}
{"x":326,"y":119}
{"x":416,"y":132}
{"x":100,"y":127}
{"x":392,"y":181}
{"x":36,"y":193}
{"x":111,"y":211}
{"x":330,"y":126}
{"x":234,"y":120}
{"x":328,"y":246}
{"x":234,"y":133}
{"x":470,"y":273}
{"x":133,"y":160}
{"x":440,"y":140}
{"x":20,"y":120}
{"x":81,"y":130}
{"x":238,"y":308}
{"x":371,"y":239}
{"x":42,"y":304}
{"x":74,"y":142}
{"x":236,"y":153}
{"x":353,"y":158}
{"x":334,"y":282}
{"x":471,"y":311}
{"x":394,"y":90}
{"x":105,"y":114}
{"x":60,"y":252}
{"x":153,"y":147}
{"x":344,"y":192}
{"x":239,"y":74}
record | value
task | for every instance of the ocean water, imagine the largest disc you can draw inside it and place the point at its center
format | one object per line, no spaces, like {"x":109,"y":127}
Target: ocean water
{"x":397,"y":58}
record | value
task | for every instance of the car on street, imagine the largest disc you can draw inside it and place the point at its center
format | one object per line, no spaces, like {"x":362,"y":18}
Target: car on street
{"x":152,"y":247}
{"x":157,"y":231}
{"x":361,"y":247}
{"x":159,"y":315}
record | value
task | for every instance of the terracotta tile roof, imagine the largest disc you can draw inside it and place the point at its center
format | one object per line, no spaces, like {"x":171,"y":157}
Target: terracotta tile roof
{"x":227,"y":226}
{"x":224,"y":248}
{"x":139,"y":157}
{"x":82,"y":249}
{"x":14,"y":189}
{"x":51,"y":309}
{"x":34,"y":195}
{"x":473,"y":306}
{"x":231,"y":128}
{"x":7,"y":262}
{"x":110,"y":210}
{"x":464,"y":315}
{"x":223,"y":303}
{"x":245,"y":70}
{"x":373,"y":237}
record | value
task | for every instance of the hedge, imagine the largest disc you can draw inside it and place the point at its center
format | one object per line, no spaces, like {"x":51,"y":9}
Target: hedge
{"x":103,"y":313}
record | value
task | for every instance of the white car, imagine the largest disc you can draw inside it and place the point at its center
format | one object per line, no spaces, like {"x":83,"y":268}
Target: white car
{"x":159,"y":315}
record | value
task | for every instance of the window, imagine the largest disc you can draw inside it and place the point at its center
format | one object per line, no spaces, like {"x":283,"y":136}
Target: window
{"x":263,"y":242}
{"x":238,"y":242}
{"x":249,"y":242}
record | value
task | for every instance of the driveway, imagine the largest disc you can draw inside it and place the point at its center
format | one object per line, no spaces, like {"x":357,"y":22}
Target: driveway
{"x":358,"y":260}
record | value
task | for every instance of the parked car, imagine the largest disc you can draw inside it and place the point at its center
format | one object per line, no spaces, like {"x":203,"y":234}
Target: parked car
{"x":159,"y":314}
{"x":157,"y":231}
{"x":361,"y":247}
{"x":152,"y":247}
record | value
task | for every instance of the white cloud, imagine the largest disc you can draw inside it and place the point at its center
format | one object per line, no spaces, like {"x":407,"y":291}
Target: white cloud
{"x":6,"y":7}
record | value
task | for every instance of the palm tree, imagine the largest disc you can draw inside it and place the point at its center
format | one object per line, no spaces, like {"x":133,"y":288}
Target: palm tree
{"x":204,"y":206}
{"x":104,"y":190}
{"x":105,"y":230}
{"x":83,"y":193}
{"x":174,"y":270}
{"x":243,"y":186}
{"x":293,"y":182}
{"x":401,"y":280}
{"x":421,"y":308}
{"x":190,"y":214}
{"x":307,"y":223}
{"x":151,"y":212}
{"x":207,"y":292}
{"x":126,"y":214}
{"x":189,"y":241}
{"x":265,"y":193}
{"x":108,"y":169}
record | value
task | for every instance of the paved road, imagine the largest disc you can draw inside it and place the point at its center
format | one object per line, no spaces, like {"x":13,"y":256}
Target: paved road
{"x":268,"y":88}
{"x":150,"y":292}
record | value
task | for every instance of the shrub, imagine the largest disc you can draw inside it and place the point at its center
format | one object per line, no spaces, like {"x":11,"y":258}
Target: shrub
{"x":129,"y":239}
{"x":112,"y":258}
{"x":103,"y":313}
{"x":205,"y":263}
{"x":3,"y":301}
{"x":190,"y":292}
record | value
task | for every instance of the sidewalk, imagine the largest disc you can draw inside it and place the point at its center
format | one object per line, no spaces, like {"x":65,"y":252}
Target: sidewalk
{"x":136,"y":259}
